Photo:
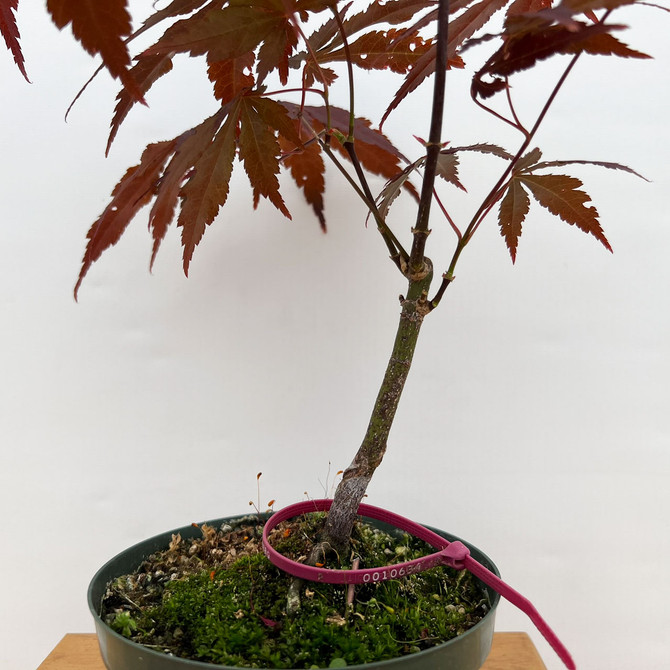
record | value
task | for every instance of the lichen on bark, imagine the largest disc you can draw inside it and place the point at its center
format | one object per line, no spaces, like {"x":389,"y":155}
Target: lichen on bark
{"x":356,"y":477}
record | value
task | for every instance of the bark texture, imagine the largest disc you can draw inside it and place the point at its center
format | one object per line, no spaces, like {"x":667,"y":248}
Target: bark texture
{"x":356,"y":477}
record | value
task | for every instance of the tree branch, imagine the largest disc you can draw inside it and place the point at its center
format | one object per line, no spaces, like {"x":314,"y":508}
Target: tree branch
{"x":495,"y":193}
{"x":356,"y":477}
{"x":421,"y":230}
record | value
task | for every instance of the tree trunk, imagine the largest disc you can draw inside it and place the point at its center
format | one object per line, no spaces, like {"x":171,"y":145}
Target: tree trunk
{"x":356,"y":477}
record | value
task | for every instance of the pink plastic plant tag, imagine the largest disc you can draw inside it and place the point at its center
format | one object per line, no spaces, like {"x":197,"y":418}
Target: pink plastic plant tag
{"x":452,"y":554}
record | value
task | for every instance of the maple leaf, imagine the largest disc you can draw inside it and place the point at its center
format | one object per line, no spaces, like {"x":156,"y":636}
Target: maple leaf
{"x":605,"y":44}
{"x":133,"y":191}
{"x":393,"y":12}
{"x":460,"y":29}
{"x":447,"y":168}
{"x":175,"y":8}
{"x":188,"y":148}
{"x":100,"y":27}
{"x":276,"y":50}
{"x":531,"y":37}
{"x":10,"y":32}
{"x":513,"y":210}
{"x":527,"y":6}
{"x":259,"y":147}
{"x":560,"y":194}
{"x":320,"y":38}
{"x":224,"y":33}
{"x":395,"y":50}
{"x":328,"y":38}
{"x":307,"y":168}
{"x":455,"y":6}
{"x":145,"y":72}
{"x":206,"y":191}
{"x":231,"y":77}
{"x":563,"y":13}
{"x":198,"y":175}
{"x":606,"y":164}
{"x":312,"y":72}
{"x":557,"y":193}
{"x":375,"y":152}
{"x":447,"y":161}
{"x":486,"y":148}
{"x":470,"y":21}
{"x":528,"y":160}
{"x":583,"y":6}
{"x":392,"y":190}
{"x":238,"y":28}
{"x":390,"y":12}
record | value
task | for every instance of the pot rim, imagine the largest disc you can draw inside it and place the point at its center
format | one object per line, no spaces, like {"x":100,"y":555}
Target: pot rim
{"x":160,"y":541}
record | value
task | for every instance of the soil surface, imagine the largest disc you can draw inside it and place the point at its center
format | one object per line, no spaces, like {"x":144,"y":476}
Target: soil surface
{"x":218,"y":599}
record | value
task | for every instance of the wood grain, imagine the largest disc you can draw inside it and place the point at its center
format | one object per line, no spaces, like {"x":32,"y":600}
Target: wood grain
{"x":510,"y":651}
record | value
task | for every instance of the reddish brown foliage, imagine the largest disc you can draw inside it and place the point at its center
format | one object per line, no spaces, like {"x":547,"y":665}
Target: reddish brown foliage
{"x":10,"y":32}
{"x":101,"y":28}
{"x":245,"y":44}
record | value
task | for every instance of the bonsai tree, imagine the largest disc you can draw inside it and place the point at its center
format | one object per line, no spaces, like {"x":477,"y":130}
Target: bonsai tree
{"x":285,"y":74}
{"x":286,"y":78}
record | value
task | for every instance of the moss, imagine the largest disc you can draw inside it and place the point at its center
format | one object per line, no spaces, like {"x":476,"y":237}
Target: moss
{"x":233,"y":612}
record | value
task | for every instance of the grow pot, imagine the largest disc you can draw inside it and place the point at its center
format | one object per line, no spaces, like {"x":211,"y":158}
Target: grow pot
{"x":468,"y":651}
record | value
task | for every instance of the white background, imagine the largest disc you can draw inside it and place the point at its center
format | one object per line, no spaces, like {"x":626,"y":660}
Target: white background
{"x":535,"y":422}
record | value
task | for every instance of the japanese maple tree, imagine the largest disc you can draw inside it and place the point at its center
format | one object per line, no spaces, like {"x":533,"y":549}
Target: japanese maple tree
{"x":275,"y":77}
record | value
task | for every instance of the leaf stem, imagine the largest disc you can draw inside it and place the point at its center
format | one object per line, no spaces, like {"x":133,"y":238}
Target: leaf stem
{"x":514,"y":121}
{"x":496,"y":192}
{"x":398,"y":254}
{"x":310,"y":51}
{"x":350,"y":73}
{"x":522,"y":149}
{"x":510,"y":103}
{"x":302,"y":89}
{"x":446,"y":214}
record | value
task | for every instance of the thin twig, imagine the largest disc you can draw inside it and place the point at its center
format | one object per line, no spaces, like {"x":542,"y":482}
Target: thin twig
{"x":519,"y":125}
{"x":350,"y":72}
{"x":495,"y":192}
{"x":396,"y":250}
{"x":322,"y":77}
{"x":398,"y":253}
{"x":498,"y":115}
{"x":453,"y":225}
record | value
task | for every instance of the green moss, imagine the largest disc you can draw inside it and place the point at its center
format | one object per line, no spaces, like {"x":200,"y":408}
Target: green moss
{"x":236,"y":615}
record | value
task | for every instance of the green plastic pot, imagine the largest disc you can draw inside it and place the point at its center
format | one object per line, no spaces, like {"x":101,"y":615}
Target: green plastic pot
{"x":466,"y":652}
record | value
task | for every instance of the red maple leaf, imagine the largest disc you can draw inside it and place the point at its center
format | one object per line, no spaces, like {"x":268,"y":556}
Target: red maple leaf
{"x":135,"y":190}
{"x":206,"y":191}
{"x":10,"y":32}
{"x":189,"y":147}
{"x":513,"y":210}
{"x":238,"y":28}
{"x":392,"y":49}
{"x":560,"y":194}
{"x":145,"y":72}
{"x":460,"y":29}
{"x":232,"y":76}
{"x":101,"y":28}
{"x":307,"y":168}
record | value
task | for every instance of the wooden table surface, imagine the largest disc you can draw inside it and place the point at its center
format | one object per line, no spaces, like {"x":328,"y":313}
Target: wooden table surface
{"x":510,"y":651}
